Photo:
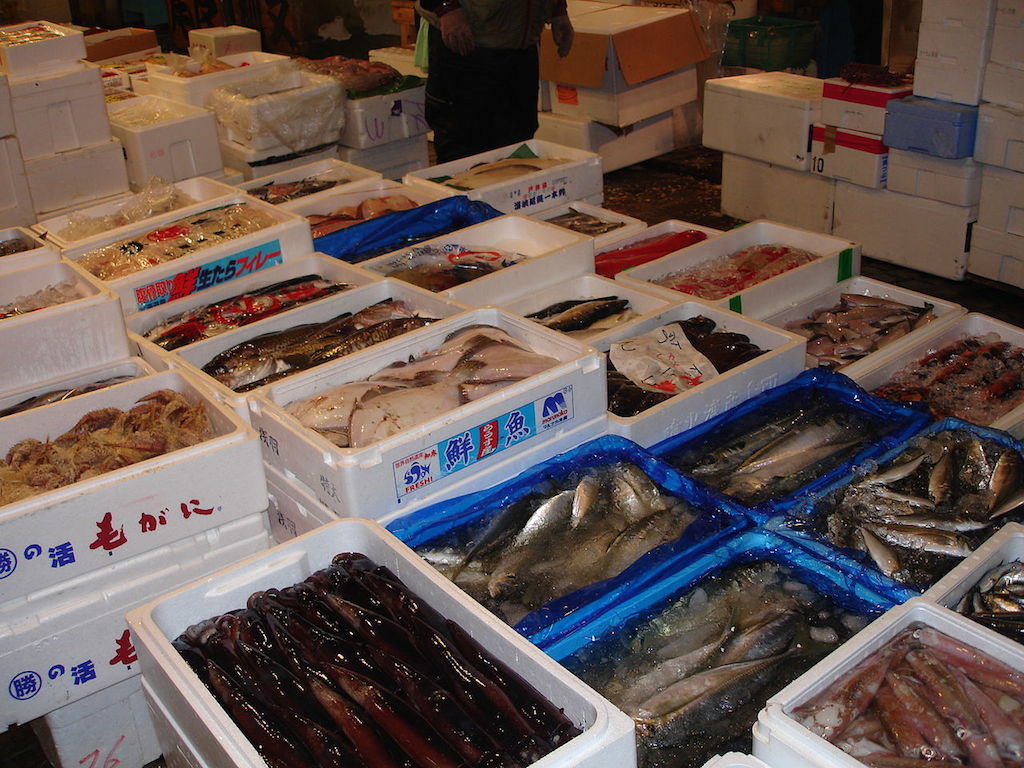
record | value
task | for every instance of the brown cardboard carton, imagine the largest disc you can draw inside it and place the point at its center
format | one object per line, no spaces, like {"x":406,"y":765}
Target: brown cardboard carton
{"x":129,"y":42}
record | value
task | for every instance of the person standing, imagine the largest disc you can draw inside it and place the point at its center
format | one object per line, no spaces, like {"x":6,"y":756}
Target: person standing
{"x":483,"y":70}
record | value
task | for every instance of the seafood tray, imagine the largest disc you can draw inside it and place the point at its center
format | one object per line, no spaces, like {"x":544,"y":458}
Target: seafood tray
{"x":35,"y":251}
{"x":579,"y":178}
{"x":195,"y":90}
{"x":383,"y":476}
{"x":121,"y":513}
{"x":734,"y":760}
{"x":871,"y":374}
{"x":667,"y":227}
{"x":838,"y":260}
{"x":193,"y":357}
{"x":187,"y":711}
{"x":346,"y":176}
{"x":944,"y":312}
{"x":549,"y":251}
{"x":54,"y":633}
{"x":762,"y":611}
{"x":781,"y":741}
{"x":38,"y":47}
{"x":285,"y":239}
{"x":375,"y":120}
{"x":628,"y":224}
{"x":59,"y":339}
{"x":782,"y":361}
{"x":833,"y":407}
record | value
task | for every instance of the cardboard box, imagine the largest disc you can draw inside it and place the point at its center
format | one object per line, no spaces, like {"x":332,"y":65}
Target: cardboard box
{"x":224,"y":41}
{"x":937,"y":178}
{"x":616,"y":55}
{"x":15,"y":200}
{"x":752,"y":189}
{"x":999,"y":139}
{"x":848,"y":155}
{"x":857,"y":106}
{"x":618,"y":147}
{"x":77,"y":177}
{"x":1002,"y":200}
{"x":1004,"y":85}
{"x":121,"y":45}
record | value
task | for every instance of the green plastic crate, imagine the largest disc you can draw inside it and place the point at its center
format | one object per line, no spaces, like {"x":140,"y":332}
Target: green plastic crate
{"x":769,"y":43}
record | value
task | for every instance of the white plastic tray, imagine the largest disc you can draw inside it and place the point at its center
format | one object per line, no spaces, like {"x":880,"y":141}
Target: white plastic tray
{"x":132,"y":366}
{"x":350,"y":177}
{"x":37,"y":253}
{"x":630,"y":225}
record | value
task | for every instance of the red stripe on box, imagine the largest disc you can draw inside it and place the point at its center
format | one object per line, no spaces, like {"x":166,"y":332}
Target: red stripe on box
{"x":858,"y":95}
{"x":851,"y":140}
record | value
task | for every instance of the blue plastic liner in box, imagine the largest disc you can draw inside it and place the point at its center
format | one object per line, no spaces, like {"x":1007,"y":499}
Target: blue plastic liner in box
{"x":717,"y":520}
{"x":403,"y":228}
{"x":901,"y":419}
{"x":796,"y":521}
{"x":934,"y":127}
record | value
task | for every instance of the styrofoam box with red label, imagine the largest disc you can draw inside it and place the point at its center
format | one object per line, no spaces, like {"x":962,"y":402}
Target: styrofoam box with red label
{"x":37,"y":252}
{"x":997,"y":256}
{"x":287,"y":238}
{"x":784,"y":359}
{"x":578,"y":178}
{"x":253,"y":163}
{"x":838,"y":260}
{"x":1002,"y":200}
{"x":372,"y":481}
{"x":6,"y":114}
{"x":180,"y":146}
{"x":392,"y":160}
{"x":59,"y":339}
{"x":904,"y":229}
{"x":734,"y":760}
{"x":551,"y":252}
{"x":76,"y":177}
{"x":1000,"y":137}
{"x":70,"y":641}
{"x":131,"y":367}
{"x":345,"y":175}
{"x":58,"y":112}
{"x":871,"y":374}
{"x":955,"y":181}
{"x":630,"y":225}
{"x":194,"y":90}
{"x":208,"y":733}
{"x":766,"y":116}
{"x":848,"y":155}
{"x":15,"y":201}
{"x":752,"y":189}
{"x":375,"y":120}
{"x":781,"y":741}
{"x":857,"y":106}
{"x":58,"y":48}
{"x":618,"y":148}
{"x":1008,"y":46}
{"x":1004,"y":85}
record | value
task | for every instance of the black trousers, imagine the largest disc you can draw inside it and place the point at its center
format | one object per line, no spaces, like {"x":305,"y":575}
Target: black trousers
{"x":481,"y":101}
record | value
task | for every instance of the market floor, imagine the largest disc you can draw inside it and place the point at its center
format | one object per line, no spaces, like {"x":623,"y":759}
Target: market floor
{"x":684,"y":184}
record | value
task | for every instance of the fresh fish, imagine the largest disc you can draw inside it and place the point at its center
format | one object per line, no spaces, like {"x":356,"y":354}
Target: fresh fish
{"x":61,"y":394}
{"x":276,"y":193}
{"x":579,"y":315}
{"x":498,"y":171}
{"x":584,"y":223}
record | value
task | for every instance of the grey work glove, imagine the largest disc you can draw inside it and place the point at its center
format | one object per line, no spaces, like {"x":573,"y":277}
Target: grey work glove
{"x":562,"y":33}
{"x":455,"y":32}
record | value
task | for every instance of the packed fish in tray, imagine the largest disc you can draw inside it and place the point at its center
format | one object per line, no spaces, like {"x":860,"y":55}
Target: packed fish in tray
{"x":997,"y":600}
{"x":277,"y":192}
{"x":351,"y":668}
{"x":585,"y":223}
{"x":722,"y":277}
{"x":611,"y":262}
{"x":322,"y":224}
{"x":64,"y":393}
{"x":584,"y":317}
{"x":13,"y":245}
{"x":924,"y":699}
{"x":51,"y":295}
{"x":440,"y":267}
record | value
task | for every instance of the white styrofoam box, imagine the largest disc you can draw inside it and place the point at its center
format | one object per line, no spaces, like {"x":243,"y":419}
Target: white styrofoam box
{"x":579,"y":178}
{"x":1004,"y":85}
{"x":402,"y":59}
{"x":51,"y":54}
{"x":623,"y":104}
{"x":872,"y":374}
{"x":330,"y":200}
{"x":997,"y":256}
{"x":956,"y":52}
{"x":6,"y":115}
{"x":766,"y":116}
{"x":984,"y":261}
{"x":77,"y":177}
{"x":294,"y":509}
{"x":178,"y":750}
{"x":58,"y":112}
{"x":1000,"y":137}
{"x":110,"y":727}
{"x":955,"y":181}
{"x":16,"y":206}
{"x":64,"y":644}
{"x":630,"y":225}
{"x":1010,"y":13}
{"x":375,"y":120}
{"x":392,"y":160}
{"x":195,"y":90}
{"x":608,"y":734}
{"x":551,"y":252}
{"x":964,"y":14}
{"x":374,"y":480}
{"x":857,"y":106}
{"x":734,"y":760}
{"x":203,"y":190}
{"x":1004,"y":546}
{"x":1008,"y":46}
{"x":948,"y":81}
{"x":131,"y":366}
{"x":179,"y":147}
{"x":224,"y":41}
{"x":38,"y":252}
{"x":229,"y":176}
{"x":193,"y":357}
{"x":60,"y":339}
{"x":1002,"y":200}
{"x":784,"y":359}
{"x":838,"y":260}
{"x":255,"y":163}
{"x":618,"y":147}
{"x":347,"y":176}
{"x":753,"y":189}
{"x":945,"y":312}
{"x":848,"y":155}
{"x":1012,"y":272}
{"x":903,"y":229}
{"x":288,"y":237}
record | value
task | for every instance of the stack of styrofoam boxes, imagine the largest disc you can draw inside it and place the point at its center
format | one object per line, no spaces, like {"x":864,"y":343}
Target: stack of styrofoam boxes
{"x":620,"y":104}
{"x":60,"y":120}
{"x":15,"y":200}
{"x":997,"y":242}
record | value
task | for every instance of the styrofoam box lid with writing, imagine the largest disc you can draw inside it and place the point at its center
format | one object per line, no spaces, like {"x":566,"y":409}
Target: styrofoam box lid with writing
{"x":250,"y":65}
{"x":132,"y":367}
{"x":50,"y":54}
{"x":37,"y":252}
{"x":630,"y":224}
{"x":957,"y":13}
{"x":99,"y":517}
{"x":1006,"y":545}
{"x":347,"y":175}
{"x":1010,"y":13}
{"x":327,"y":202}
{"x":607,"y":736}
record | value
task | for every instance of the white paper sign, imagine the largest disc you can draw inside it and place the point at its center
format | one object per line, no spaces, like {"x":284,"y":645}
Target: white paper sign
{"x":662,"y":360}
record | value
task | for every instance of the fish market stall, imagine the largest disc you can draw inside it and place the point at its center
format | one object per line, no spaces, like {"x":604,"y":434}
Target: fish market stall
{"x":625,"y":250}
{"x":307,"y":182}
{"x":602,"y":224}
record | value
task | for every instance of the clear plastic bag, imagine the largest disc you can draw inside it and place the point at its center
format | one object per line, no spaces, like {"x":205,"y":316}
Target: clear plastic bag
{"x":158,"y":196}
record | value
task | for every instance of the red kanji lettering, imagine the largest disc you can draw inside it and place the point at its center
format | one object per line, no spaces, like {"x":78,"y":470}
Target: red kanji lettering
{"x":125,"y":650}
{"x":187,"y":511}
{"x":107,"y":537}
{"x":184,"y":283}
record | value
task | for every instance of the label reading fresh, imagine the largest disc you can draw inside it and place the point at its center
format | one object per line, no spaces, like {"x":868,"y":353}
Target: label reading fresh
{"x":465,"y":449}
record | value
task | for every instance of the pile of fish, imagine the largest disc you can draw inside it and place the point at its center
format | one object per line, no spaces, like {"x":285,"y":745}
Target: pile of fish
{"x":780,"y":448}
{"x":724,"y":349}
{"x":929,"y":507}
{"x":347,"y":215}
{"x":855,"y":327}
{"x":102,"y":441}
{"x":584,"y":223}
{"x":610,"y":263}
{"x":13,"y":245}
{"x":727,"y":275}
{"x":175,"y":240}
{"x":584,"y":317}
{"x":694,"y":676}
{"x":997,"y":600}
{"x":214,"y":319}
{"x":51,"y":295}
{"x":57,"y":395}
{"x":472,"y":363}
{"x":277,"y":192}
{"x":351,"y":668}
{"x":354,"y":74}
{"x":440,"y":267}
{"x":272,"y":356}
{"x":923,"y":700}
{"x":976,"y":378}
{"x":572,"y":532}
{"x":499,"y":171}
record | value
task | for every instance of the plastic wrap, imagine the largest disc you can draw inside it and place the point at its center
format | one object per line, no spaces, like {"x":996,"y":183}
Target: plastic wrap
{"x":158,"y":196}
{"x":145,"y":112}
{"x":441,"y":267}
{"x":58,"y":293}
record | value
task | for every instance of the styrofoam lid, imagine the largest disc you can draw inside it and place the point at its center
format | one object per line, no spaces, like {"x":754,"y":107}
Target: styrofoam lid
{"x":932,"y":109}
{"x":774,"y":85}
